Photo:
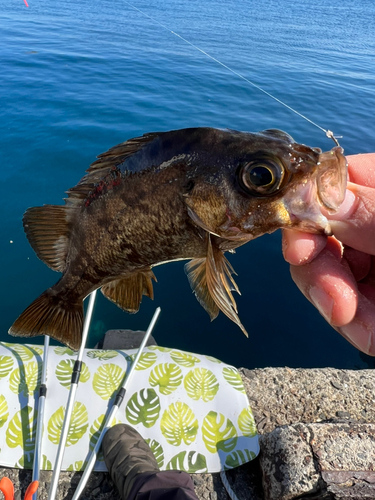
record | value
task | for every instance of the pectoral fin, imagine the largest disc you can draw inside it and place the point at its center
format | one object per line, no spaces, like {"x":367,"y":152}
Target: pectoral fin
{"x":127,"y":292}
{"x":212,"y":282}
{"x":196,"y":273}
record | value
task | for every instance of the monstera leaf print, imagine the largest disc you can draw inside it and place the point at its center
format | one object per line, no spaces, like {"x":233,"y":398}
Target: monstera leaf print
{"x":218,"y":433}
{"x":158,"y":348}
{"x":20,"y":351}
{"x":46,"y":464}
{"x":238,"y":457}
{"x":76,"y":467}
{"x":107,"y":380}
{"x":103,"y":355}
{"x":214,"y":360}
{"x":143,"y":408}
{"x":167,"y":377}
{"x":233,"y":378}
{"x":184,"y":358}
{"x":25,"y":380}
{"x":157,"y":450}
{"x":146,"y":360}
{"x":246,"y":422}
{"x":178,"y":424}
{"x":6,"y":365}
{"x":61,"y":351}
{"x":4,"y":411}
{"x":201,"y":383}
{"x":78,"y":424}
{"x":21,"y":430}
{"x":94,"y":433}
{"x":64,"y":371}
{"x":191,"y":462}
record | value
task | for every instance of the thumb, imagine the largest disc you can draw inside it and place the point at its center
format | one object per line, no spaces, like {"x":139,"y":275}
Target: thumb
{"x":354,"y":223}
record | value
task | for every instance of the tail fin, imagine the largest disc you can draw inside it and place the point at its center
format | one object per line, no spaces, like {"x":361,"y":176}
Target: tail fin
{"x":49,"y":315}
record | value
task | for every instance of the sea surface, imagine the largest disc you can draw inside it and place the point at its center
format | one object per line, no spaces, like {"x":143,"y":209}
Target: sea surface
{"x":79,"y":77}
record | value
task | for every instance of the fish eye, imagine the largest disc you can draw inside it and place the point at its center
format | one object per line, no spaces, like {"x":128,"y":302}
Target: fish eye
{"x":262,"y":176}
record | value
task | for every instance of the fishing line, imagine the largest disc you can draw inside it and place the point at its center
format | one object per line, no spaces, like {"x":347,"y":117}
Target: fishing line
{"x":328,"y":133}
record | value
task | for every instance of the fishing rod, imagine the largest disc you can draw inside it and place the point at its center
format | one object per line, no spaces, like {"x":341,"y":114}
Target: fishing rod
{"x":39,"y":425}
{"x":72,"y":393}
{"x":116,"y":405}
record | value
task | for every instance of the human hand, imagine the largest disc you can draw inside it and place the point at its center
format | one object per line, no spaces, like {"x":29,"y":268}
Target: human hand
{"x":340,"y":280}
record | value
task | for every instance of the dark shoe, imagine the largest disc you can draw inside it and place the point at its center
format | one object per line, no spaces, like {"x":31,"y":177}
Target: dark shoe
{"x":126,"y":455}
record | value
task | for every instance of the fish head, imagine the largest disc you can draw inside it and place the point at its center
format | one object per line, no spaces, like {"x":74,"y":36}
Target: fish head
{"x":268,"y":181}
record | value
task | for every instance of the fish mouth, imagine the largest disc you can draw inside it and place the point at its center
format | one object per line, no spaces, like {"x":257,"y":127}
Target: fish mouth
{"x":324,"y":189}
{"x":301,"y":210}
{"x":332,"y":179}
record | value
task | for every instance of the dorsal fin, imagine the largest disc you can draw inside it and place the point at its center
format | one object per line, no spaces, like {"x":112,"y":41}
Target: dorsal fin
{"x":105,"y":166}
{"x":127,"y":292}
{"x":48,"y":229}
{"x":212,"y":282}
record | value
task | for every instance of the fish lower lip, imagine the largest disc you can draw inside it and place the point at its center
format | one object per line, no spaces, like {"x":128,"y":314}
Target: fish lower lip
{"x":317,"y":223}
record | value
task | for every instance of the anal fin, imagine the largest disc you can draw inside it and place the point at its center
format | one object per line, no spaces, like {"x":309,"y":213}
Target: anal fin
{"x":127,"y":292}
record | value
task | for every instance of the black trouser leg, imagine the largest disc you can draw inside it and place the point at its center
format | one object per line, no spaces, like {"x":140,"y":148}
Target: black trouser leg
{"x":164,"y":485}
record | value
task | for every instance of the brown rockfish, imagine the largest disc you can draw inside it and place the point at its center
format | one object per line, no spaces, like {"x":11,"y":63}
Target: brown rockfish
{"x":185,"y":194}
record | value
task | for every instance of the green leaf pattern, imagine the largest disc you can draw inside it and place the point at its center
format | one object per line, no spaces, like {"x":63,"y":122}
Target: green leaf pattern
{"x":167,"y":377}
{"x":191,"y":409}
{"x":4,"y":410}
{"x":191,"y":462}
{"x":61,"y":351}
{"x":104,"y":355}
{"x":107,"y":380}
{"x":184,"y":358}
{"x":146,"y":360}
{"x":95,"y":431}
{"x":143,"y":408}
{"x":157,"y":450}
{"x":6,"y":365}
{"x":246,"y":422}
{"x":24,"y":380}
{"x":64,"y":372}
{"x":179,"y":424}
{"x":201,"y":383}
{"x":238,"y":457}
{"x":76,"y":466}
{"x":218,"y":433}
{"x":78,"y":424}
{"x":21,"y":430}
{"x":233,"y":378}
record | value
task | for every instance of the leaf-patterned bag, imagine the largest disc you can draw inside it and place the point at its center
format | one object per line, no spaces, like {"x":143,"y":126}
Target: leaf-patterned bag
{"x":191,"y":409}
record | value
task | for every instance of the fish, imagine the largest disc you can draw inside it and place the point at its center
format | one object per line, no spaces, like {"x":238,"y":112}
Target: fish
{"x":189,"y":194}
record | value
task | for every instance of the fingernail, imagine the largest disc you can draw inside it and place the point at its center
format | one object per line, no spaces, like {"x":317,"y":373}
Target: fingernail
{"x":322,"y":301}
{"x":359,"y":335}
{"x":346,"y":208}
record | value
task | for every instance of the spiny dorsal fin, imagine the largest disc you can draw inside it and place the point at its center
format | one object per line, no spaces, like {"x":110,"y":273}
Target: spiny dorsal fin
{"x":212,"y":281}
{"x":105,"y":165}
{"x":127,"y":292}
{"x":47,"y":230}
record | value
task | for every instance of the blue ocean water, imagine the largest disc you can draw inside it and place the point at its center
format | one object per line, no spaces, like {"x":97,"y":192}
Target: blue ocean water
{"x":80,"y":77}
